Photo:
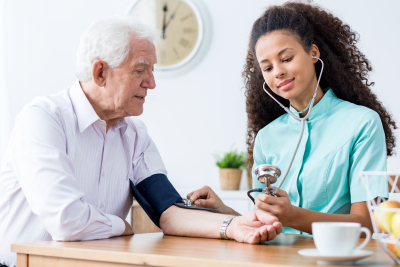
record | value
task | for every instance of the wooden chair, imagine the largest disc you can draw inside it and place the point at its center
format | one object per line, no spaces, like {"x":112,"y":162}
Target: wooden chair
{"x":141,"y":223}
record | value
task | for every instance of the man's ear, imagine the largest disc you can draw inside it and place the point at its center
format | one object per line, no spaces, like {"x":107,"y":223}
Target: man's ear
{"x":99,"y":70}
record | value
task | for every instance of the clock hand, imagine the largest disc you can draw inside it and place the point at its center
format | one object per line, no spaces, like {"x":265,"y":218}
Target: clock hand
{"x":170,"y":18}
{"x":165,"y":12}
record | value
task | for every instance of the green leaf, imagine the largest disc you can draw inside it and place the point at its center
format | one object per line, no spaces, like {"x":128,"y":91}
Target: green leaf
{"x":231,"y":159}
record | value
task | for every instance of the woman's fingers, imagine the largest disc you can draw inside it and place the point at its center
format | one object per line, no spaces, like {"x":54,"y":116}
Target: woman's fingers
{"x":268,"y":199}
{"x":204,"y":197}
{"x":281,"y":193}
{"x":189,"y":195}
{"x":195,"y":194}
{"x":204,"y":203}
{"x":279,"y":206}
{"x":261,"y":205}
{"x":265,"y":217}
{"x":199,"y":193}
{"x":273,"y":210}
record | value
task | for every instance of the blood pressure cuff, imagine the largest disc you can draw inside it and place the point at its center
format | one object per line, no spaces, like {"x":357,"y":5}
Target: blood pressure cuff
{"x":155,"y":194}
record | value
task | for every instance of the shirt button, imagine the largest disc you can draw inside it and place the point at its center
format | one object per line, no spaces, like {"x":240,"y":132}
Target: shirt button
{"x":102,"y":174}
{"x":102,"y":205}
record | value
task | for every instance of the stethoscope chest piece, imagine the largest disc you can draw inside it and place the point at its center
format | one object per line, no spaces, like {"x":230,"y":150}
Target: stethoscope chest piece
{"x":187,"y":202}
{"x":268,"y":174}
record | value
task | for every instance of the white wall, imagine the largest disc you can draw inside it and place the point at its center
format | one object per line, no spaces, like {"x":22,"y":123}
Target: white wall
{"x":4,"y":110}
{"x":192,"y":116}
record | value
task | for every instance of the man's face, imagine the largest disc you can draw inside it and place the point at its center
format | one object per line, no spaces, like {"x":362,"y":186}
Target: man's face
{"x":126,"y":86}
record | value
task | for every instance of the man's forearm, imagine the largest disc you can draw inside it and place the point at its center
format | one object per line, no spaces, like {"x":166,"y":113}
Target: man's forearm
{"x":233,"y":212}
{"x":183,"y":222}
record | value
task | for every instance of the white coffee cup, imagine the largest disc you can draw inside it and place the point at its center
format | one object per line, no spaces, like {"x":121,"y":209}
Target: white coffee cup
{"x":338,"y":238}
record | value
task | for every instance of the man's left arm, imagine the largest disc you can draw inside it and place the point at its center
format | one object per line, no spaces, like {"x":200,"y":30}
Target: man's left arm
{"x":156,"y":195}
{"x":254,"y":227}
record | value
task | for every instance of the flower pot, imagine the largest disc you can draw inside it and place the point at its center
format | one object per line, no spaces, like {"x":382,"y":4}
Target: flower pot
{"x":230,"y":178}
{"x":249,"y":178}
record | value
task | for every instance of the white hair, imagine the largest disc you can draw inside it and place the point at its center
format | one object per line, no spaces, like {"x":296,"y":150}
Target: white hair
{"x":109,"y":40}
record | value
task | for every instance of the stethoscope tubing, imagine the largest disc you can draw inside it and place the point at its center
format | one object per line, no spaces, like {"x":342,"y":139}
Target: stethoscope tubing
{"x":302,"y":120}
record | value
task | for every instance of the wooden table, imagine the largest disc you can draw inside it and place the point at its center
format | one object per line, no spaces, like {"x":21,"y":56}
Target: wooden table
{"x":158,"y":250}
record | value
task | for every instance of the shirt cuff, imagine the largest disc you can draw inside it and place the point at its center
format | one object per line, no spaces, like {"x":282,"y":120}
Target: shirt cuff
{"x":117,"y":225}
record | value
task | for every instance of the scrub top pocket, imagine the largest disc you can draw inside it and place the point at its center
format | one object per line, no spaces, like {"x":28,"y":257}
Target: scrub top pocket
{"x":314,"y":183}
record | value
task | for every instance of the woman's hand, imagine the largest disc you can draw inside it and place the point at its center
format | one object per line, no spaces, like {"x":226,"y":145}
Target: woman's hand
{"x":279,"y":206}
{"x":206,"y":197}
{"x":254,"y":227}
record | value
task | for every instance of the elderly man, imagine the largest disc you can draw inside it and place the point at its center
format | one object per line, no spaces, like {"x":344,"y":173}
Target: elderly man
{"x":73,"y":155}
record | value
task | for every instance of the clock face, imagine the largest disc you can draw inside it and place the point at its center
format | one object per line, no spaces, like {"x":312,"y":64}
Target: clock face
{"x":181,"y":27}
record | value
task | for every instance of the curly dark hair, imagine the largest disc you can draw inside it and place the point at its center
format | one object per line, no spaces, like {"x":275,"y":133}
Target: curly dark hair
{"x":346,"y":68}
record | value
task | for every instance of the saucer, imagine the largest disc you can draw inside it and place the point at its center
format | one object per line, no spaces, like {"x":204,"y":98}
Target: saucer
{"x":338,"y":260}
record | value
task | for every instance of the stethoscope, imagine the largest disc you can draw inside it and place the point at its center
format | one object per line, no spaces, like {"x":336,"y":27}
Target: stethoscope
{"x":268,"y":174}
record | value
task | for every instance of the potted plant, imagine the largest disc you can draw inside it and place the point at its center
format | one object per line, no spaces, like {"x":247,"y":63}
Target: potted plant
{"x":230,"y":169}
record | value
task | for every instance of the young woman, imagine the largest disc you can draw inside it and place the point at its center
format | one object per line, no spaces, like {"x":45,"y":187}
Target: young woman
{"x":348,"y":130}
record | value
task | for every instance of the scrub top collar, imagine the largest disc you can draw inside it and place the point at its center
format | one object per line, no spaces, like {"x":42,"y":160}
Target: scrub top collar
{"x":327,"y":101}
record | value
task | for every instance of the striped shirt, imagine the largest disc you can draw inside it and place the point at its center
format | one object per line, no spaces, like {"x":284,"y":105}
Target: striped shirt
{"x":65,"y":177}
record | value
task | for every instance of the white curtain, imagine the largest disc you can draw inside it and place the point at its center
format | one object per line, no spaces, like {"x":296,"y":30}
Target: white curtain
{"x":4,"y":107}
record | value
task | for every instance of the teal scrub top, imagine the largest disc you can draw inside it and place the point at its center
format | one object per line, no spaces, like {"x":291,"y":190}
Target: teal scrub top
{"x":340,"y":140}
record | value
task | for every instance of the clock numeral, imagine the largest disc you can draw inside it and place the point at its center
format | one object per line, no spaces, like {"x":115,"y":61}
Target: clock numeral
{"x":186,"y":17}
{"x":187,"y":30}
{"x":175,"y":51}
{"x":184,"y":42}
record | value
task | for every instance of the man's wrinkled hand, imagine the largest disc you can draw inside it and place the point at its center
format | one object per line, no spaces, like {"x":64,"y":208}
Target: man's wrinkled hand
{"x":254,"y":227}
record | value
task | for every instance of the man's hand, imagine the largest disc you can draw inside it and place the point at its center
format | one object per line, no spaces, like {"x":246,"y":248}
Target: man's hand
{"x":254,"y":227}
{"x":279,"y":206}
{"x":128,"y":229}
{"x":206,"y":197}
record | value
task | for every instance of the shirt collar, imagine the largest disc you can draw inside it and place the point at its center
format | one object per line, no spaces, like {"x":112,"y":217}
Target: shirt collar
{"x":83,"y":109}
{"x":321,"y":107}
{"x":121,"y":123}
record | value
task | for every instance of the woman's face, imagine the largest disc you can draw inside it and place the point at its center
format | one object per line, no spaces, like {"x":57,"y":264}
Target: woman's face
{"x":287,"y":68}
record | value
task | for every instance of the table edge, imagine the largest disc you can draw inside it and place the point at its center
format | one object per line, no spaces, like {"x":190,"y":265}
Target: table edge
{"x":126,"y":257}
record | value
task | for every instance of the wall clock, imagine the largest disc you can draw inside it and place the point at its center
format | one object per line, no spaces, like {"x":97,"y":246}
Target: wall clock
{"x":181,"y":24}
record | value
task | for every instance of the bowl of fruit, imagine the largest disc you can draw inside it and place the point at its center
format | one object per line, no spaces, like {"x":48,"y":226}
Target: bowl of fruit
{"x":384,"y":212}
